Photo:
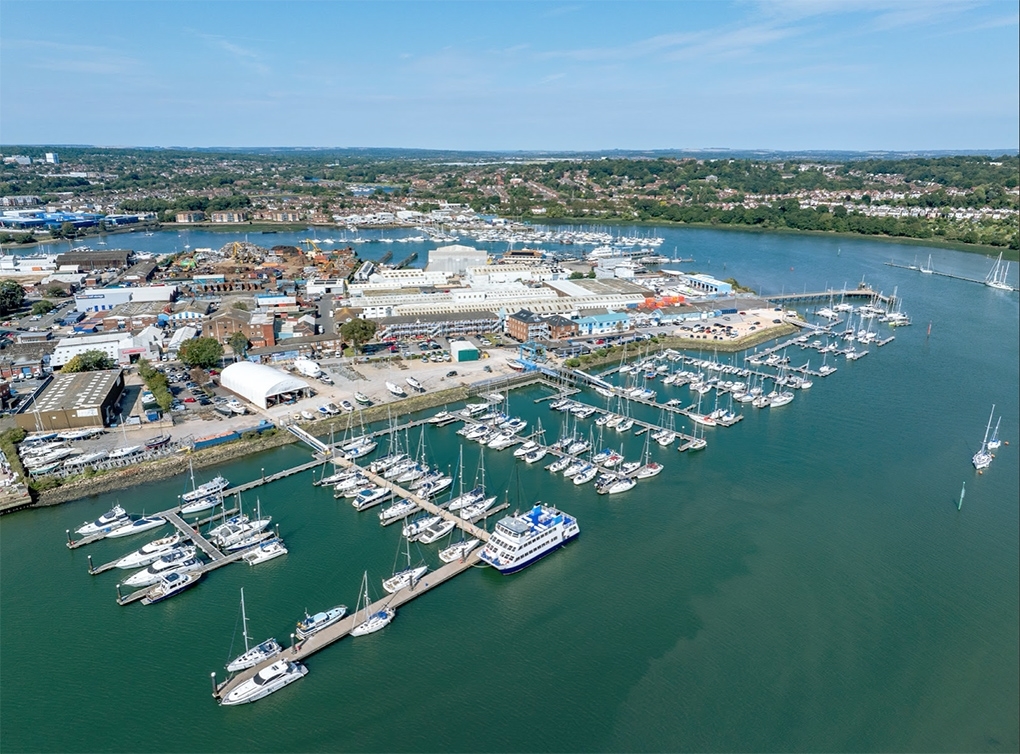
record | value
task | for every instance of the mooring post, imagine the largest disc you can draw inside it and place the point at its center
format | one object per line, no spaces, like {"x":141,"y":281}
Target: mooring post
{"x":118,"y":593}
{"x":91,"y":569}
{"x":213,"y":676}
{"x":69,"y":540}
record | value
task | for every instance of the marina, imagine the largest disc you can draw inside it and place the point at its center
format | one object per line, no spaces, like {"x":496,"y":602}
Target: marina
{"x":725,"y":537}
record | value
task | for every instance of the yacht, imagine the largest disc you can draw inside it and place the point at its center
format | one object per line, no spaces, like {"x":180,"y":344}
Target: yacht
{"x":520,"y":540}
{"x":113,"y":517}
{"x":169,"y":585}
{"x":458,"y":550}
{"x":370,"y":623}
{"x":470,"y":512}
{"x":252,"y":655}
{"x":560,"y":464}
{"x":382,"y":464}
{"x":414,"y":529}
{"x":371,"y":496}
{"x":265,"y":682}
{"x":586,"y":474}
{"x":180,"y":559}
{"x":525,"y":448}
{"x":209,"y":489}
{"x":468,"y":498}
{"x":436,"y":531}
{"x":396,"y":390}
{"x":137,"y":526}
{"x":363,"y":399}
{"x":399,"y":509}
{"x":415,"y":385}
{"x":151,"y":552}
{"x":312,"y":624}
{"x":268,"y":550}
{"x":624,"y":425}
{"x":536,"y":455}
{"x":123,"y":452}
{"x":404,"y":579}
{"x":252,"y":539}
{"x":983,"y":458}
{"x":650,"y":469}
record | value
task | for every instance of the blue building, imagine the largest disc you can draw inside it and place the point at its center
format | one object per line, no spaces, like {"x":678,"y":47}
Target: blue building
{"x":603,"y":324}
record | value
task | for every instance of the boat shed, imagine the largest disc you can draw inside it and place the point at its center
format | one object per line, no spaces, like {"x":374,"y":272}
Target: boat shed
{"x":262,"y":385}
{"x":73,"y":401}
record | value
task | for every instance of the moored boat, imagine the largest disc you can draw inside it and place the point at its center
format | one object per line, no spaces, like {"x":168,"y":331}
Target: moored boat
{"x":170,"y":585}
{"x":312,"y":624}
{"x":273,"y":678}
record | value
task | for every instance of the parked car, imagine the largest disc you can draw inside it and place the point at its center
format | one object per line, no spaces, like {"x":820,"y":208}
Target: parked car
{"x":452,"y":373}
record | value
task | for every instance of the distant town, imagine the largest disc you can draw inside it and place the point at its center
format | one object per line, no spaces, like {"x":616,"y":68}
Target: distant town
{"x":49,"y":193}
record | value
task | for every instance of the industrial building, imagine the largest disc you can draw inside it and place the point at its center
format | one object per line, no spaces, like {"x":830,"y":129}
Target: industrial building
{"x":73,"y":401}
{"x":455,"y":259}
{"x":262,"y":385}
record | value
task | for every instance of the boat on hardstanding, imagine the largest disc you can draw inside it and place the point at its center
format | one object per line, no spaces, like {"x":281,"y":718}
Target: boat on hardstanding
{"x":983,"y":458}
{"x":116,"y":516}
{"x":396,"y":390}
{"x":151,"y":552}
{"x":370,"y":623}
{"x":158,"y":442}
{"x":273,"y":678}
{"x":415,"y":385}
{"x":252,"y":656}
{"x":363,"y":399}
{"x":520,"y":540}
{"x":312,"y":624}
{"x":170,"y":585}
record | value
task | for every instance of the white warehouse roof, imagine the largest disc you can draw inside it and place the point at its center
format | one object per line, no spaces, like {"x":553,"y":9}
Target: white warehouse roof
{"x":257,"y":382}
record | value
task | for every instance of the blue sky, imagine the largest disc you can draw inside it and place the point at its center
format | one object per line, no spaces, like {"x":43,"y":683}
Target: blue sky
{"x":787,"y":74}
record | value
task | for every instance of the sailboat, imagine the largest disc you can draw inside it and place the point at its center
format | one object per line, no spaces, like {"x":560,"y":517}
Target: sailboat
{"x":374,"y":622}
{"x":407,"y":577}
{"x":994,"y":443}
{"x":202,"y":497}
{"x":997,"y":277}
{"x":928,"y":269}
{"x":252,"y":655}
{"x":649,"y":468}
{"x":983,"y":458}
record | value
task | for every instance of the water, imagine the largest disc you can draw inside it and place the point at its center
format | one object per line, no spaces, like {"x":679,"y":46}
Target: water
{"x":806,"y":583}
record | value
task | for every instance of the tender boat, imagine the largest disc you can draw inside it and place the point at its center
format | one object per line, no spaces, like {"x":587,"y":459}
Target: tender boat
{"x":136,"y":527}
{"x":312,"y":624}
{"x":169,"y":585}
{"x":112,"y":518}
{"x":518,"y":541}
{"x":268,"y":550}
{"x":151,"y":552}
{"x":273,"y":678}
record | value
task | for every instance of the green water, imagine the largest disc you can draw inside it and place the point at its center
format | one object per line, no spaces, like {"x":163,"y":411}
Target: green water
{"x":806,"y":583}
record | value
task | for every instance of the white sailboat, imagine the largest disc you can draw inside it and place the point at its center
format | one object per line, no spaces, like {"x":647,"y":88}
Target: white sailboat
{"x":983,"y":458}
{"x":370,"y":623}
{"x":407,"y":577}
{"x":252,"y":656}
{"x":997,"y":276}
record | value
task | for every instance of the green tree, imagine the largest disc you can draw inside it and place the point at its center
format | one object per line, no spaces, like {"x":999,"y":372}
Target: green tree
{"x":238,"y":342}
{"x":12,"y":295}
{"x":239,"y":305}
{"x":358,"y":331}
{"x":56,"y":291}
{"x":42,"y":307}
{"x":201,"y":352}
{"x":92,"y":360}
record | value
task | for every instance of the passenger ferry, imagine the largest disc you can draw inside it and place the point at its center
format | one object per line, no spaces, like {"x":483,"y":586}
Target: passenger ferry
{"x":518,"y":541}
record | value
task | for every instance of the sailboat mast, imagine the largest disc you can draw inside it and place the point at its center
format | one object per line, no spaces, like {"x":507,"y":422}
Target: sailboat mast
{"x":244,"y":622}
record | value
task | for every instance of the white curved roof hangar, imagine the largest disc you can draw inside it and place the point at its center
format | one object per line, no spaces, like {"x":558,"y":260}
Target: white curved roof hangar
{"x":257,"y":382}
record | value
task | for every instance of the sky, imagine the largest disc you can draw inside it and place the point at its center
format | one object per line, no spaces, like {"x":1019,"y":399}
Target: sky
{"x":779,"y":74}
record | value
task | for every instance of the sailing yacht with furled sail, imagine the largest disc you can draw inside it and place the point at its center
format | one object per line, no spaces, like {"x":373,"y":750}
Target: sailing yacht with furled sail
{"x":370,"y":623}
{"x":252,"y":656}
{"x":983,"y":458}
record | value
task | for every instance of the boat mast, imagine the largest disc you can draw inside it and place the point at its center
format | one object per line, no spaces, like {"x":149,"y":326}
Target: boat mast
{"x":244,"y":622}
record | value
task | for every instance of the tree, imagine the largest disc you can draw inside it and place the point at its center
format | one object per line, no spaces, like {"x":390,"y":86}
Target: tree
{"x":56,"y":291}
{"x":42,"y":307}
{"x":240,"y":305}
{"x":238,"y":342}
{"x":201,"y":352}
{"x":357,"y":331}
{"x":11,"y":295}
{"x":92,"y":360}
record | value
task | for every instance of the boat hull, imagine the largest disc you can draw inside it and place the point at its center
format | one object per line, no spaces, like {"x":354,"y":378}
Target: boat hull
{"x":514,"y":568}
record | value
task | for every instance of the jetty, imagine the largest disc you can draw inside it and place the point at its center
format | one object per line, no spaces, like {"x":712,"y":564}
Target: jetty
{"x":966,"y":279}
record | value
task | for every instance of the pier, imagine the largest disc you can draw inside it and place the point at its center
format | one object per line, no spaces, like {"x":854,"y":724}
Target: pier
{"x":322,"y":639}
{"x":941,"y":274}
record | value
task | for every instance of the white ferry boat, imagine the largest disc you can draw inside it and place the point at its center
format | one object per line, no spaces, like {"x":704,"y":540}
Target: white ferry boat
{"x":518,"y":541}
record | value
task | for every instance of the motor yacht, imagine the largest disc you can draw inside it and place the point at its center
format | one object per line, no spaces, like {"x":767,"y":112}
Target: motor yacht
{"x":273,"y":678}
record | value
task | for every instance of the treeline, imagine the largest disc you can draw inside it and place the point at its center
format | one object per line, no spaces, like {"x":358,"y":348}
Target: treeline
{"x":187,"y":204}
{"x":788,"y":214}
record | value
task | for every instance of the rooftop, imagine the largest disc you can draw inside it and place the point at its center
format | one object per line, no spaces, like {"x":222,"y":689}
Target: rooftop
{"x":76,"y":391}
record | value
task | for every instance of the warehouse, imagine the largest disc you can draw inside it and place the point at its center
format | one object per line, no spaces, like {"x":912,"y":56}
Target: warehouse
{"x":262,"y":385}
{"x":73,"y":401}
